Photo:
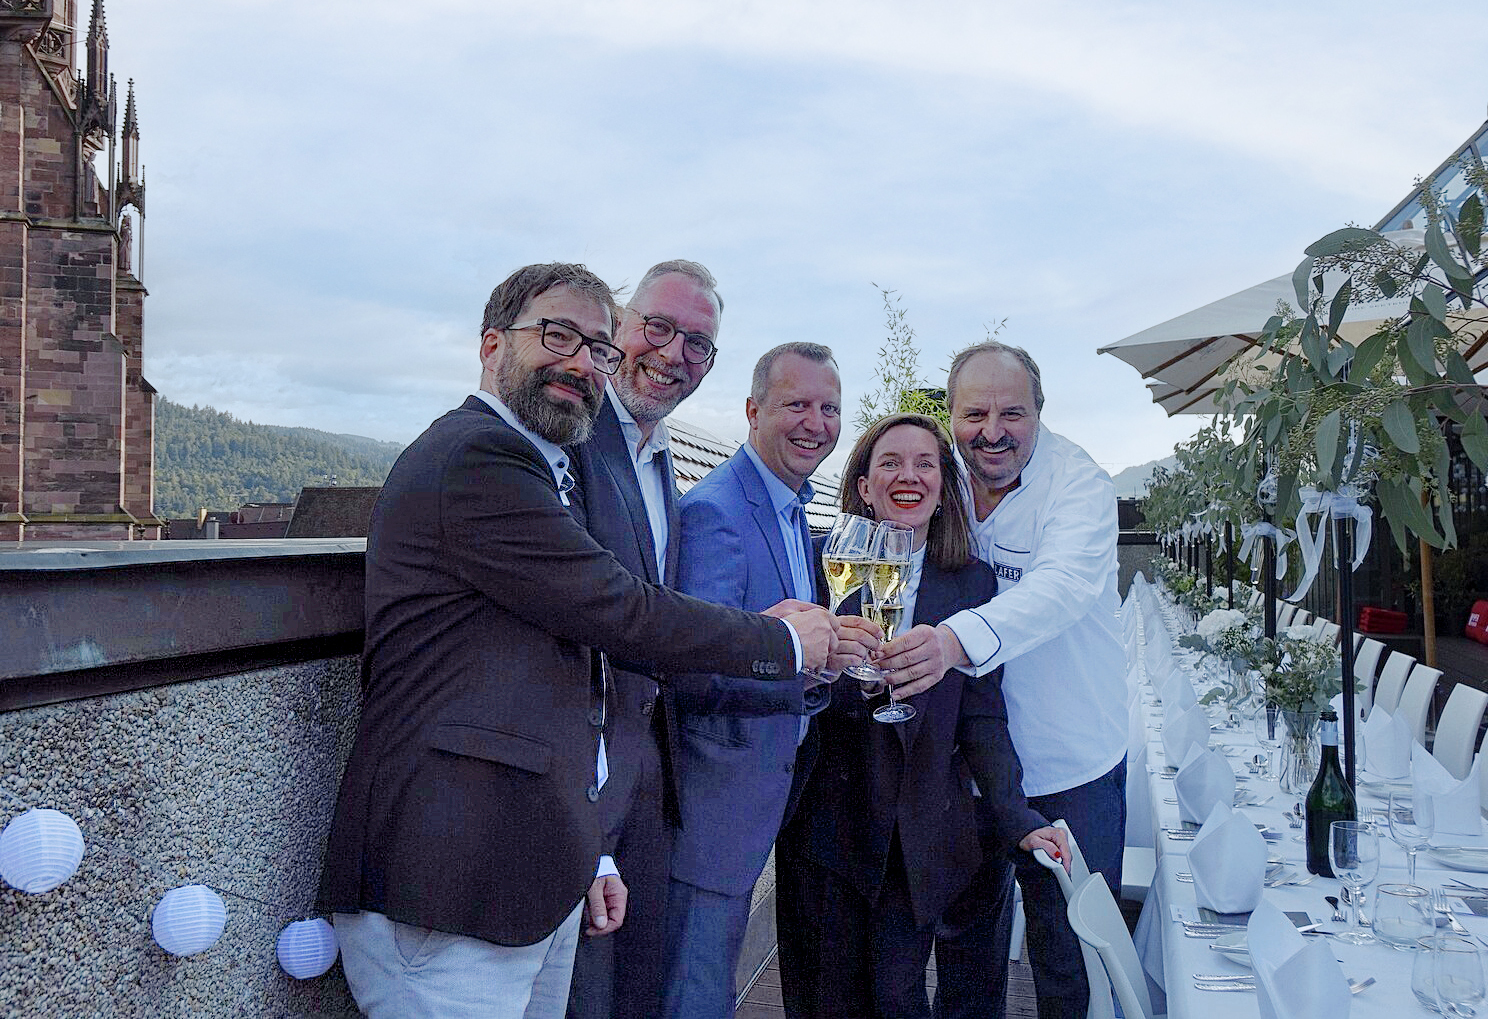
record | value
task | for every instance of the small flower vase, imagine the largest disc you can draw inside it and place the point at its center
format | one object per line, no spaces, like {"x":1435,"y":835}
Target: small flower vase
{"x":1300,"y":751}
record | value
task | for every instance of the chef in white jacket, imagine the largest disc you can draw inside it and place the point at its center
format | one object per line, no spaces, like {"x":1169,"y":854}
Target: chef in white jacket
{"x":1044,"y":515}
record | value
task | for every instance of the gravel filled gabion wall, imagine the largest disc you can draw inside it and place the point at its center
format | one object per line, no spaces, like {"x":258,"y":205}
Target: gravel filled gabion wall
{"x":227,"y":782}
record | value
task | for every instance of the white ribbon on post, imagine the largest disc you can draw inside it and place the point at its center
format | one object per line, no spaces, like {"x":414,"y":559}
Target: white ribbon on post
{"x":1251,"y":551}
{"x":1328,"y":505}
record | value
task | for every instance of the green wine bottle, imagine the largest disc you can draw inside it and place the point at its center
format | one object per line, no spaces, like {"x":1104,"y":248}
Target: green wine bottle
{"x":1330,"y":798}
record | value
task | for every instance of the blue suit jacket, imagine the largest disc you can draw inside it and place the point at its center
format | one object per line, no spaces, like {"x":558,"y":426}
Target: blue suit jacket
{"x":737,"y":737}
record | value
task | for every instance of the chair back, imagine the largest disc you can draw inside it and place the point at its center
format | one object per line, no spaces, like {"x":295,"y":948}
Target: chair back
{"x":1392,"y":681}
{"x":1100,"y":1006}
{"x":1097,"y":922}
{"x":1328,"y":630}
{"x":1415,"y":700}
{"x":1457,"y":731}
{"x":1366,"y":663}
{"x":1284,"y":616}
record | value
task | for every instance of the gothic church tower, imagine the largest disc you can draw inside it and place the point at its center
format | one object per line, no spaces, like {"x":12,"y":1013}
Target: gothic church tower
{"x":76,"y":414}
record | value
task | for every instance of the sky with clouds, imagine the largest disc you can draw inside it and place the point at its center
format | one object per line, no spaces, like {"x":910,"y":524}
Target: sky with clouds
{"x":334,"y":188}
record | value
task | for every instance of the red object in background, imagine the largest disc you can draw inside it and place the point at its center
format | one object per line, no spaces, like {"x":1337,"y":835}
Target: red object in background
{"x":1373,"y":619}
{"x":1477,"y":622}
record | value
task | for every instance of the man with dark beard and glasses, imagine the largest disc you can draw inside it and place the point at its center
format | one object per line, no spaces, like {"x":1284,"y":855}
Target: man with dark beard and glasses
{"x":469,"y":835}
{"x":1044,"y":515}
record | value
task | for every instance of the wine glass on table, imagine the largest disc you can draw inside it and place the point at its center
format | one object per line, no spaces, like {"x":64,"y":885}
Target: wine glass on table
{"x":1268,"y":733}
{"x":845,"y":556}
{"x":1353,"y":850}
{"x":883,"y":601}
{"x":1412,"y":823}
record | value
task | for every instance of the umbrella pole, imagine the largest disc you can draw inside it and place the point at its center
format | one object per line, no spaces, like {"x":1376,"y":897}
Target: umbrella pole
{"x":1268,"y":580}
{"x":1230,"y":560}
{"x":1343,"y":544}
{"x":1428,"y":605}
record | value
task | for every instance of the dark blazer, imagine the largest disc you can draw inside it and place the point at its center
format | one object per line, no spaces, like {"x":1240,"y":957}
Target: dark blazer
{"x":737,"y":736}
{"x":870,"y":778}
{"x":607,"y":500}
{"x":469,"y":802}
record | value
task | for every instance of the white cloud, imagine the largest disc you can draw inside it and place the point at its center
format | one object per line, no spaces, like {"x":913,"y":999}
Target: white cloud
{"x":335,"y":188}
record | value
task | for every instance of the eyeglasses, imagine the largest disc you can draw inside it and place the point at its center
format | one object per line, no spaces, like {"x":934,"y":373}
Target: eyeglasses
{"x":696,"y":347}
{"x":566,"y":341}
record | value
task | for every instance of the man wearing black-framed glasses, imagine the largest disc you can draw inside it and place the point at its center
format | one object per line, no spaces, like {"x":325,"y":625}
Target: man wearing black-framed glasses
{"x":626,"y":495}
{"x":469,"y":843}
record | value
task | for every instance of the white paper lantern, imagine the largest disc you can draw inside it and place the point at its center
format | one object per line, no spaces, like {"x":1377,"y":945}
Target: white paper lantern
{"x":39,"y":850}
{"x":188,"y":920}
{"x":307,"y":948}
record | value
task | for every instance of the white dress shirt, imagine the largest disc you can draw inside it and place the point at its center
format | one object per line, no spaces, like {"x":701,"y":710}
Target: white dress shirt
{"x":650,"y":462}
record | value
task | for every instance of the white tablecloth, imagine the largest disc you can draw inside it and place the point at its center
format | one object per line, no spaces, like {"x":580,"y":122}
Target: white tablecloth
{"x":1171,"y":958}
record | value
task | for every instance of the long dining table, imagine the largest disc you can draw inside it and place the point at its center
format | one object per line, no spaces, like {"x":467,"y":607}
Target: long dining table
{"x":1170,"y":957}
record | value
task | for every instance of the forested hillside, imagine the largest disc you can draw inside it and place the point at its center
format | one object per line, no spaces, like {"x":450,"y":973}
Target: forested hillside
{"x":204,"y":458}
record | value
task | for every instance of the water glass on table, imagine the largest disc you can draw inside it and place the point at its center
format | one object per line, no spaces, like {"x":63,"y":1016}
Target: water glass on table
{"x":1403,"y":915}
{"x":1412,"y":823}
{"x":1457,"y":971}
{"x":1353,"y":850}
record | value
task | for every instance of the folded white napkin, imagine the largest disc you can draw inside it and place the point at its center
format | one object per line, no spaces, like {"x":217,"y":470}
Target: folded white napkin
{"x":1204,"y":780}
{"x":1178,"y":691}
{"x":1183,"y":729}
{"x":1296,"y":978}
{"x":1387,"y":745}
{"x":1458,"y":804}
{"x":1228,"y":861}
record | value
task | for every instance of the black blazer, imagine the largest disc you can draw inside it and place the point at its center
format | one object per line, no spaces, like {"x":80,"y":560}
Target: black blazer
{"x":468,"y":804}
{"x":607,"y":500}
{"x":870,"y":778}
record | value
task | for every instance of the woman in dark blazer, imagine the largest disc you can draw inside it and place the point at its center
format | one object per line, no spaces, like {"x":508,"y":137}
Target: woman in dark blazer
{"x":885,"y":834}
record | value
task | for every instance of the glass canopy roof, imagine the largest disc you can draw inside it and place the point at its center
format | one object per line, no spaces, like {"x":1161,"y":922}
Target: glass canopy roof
{"x":1450,"y":179}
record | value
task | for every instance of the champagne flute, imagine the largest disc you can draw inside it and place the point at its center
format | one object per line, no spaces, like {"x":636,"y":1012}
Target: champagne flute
{"x":845,"y":556}
{"x":888,"y":570}
{"x":1353,"y":850}
{"x":1412,"y":823}
{"x":891,"y":617}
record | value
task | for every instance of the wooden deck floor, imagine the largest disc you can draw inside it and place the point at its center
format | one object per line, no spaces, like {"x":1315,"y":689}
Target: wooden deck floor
{"x":763,"y":999}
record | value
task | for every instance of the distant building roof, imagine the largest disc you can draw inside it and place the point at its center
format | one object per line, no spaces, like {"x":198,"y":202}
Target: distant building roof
{"x":332,"y":512}
{"x":263,"y":512}
{"x":695,"y":453}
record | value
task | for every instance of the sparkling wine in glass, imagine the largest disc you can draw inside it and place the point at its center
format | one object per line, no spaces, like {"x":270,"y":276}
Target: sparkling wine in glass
{"x":1353,"y":850}
{"x":888,"y":570}
{"x":1412,"y":823}
{"x":845,"y":556}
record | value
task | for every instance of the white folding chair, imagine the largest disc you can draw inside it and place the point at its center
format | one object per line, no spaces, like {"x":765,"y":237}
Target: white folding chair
{"x":1328,"y":630}
{"x":1366,"y":661}
{"x":1098,"y":923}
{"x":1284,"y":616}
{"x":1457,"y":730}
{"x":1100,"y":1006}
{"x":1415,"y":700}
{"x":1300,"y":618}
{"x":1392,"y":680}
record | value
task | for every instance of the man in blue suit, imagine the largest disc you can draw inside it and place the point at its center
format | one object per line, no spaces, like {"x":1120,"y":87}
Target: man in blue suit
{"x":744,"y":543}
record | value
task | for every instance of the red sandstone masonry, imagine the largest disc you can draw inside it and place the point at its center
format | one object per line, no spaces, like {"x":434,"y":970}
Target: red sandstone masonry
{"x":76,"y":414}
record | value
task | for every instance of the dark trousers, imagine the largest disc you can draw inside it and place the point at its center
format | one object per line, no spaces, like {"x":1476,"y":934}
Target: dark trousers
{"x":842,"y":956}
{"x":621,"y":975}
{"x":1096,"y":814}
{"x":972,"y":943}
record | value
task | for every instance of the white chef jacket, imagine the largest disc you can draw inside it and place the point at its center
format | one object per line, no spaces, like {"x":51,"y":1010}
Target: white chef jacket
{"x":1053,"y":624}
